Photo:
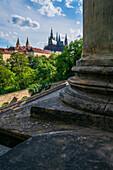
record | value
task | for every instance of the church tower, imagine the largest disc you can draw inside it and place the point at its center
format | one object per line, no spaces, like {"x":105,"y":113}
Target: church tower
{"x":66,"y":43}
{"x":57,"y":36}
{"x":51,"y":35}
{"x":18,"y":43}
{"x":27,"y":43}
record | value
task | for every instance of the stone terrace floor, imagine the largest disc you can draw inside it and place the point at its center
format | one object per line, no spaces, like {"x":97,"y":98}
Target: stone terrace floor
{"x":54,"y":144}
{"x":19,"y":121}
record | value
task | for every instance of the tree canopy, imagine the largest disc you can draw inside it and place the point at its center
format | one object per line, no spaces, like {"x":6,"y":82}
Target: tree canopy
{"x":22,"y":71}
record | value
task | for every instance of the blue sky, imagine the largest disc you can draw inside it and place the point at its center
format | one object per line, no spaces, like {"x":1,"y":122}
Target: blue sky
{"x":34,"y":19}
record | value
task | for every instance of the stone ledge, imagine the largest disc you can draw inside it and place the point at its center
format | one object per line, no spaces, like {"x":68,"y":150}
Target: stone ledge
{"x":55,"y":109}
{"x":29,"y":99}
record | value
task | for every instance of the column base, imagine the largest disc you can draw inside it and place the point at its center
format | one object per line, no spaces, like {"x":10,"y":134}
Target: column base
{"x":91,"y":89}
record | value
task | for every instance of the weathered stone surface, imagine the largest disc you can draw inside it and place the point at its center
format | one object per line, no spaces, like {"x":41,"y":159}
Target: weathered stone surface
{"x":13,"y":97}
{"x":3,"y":150}
{"x":56,"y":110}
{"x":90,"y":103}
{"x":95,"y":70}
{"x":98,"y":25}
{"x":18,"y":121}
{"x":82,"y":149}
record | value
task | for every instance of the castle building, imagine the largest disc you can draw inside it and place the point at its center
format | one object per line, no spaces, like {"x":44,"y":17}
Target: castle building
{"x":18,"y":43}
{"x":55,"y":44}
{"x":29,"y":50}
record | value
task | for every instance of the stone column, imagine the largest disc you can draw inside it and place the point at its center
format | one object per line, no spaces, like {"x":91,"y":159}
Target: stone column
{"x":91,"y":89}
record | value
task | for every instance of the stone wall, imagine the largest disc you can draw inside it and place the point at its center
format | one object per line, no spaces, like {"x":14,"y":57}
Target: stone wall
{"x":39,"y":54}
{"x":18,"y":95}
{"x":13,"y":97}
{"x":58,"y":83}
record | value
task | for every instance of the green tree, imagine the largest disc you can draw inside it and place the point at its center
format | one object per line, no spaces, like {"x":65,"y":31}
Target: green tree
{"x":67,"y":59}
{"x":36,"y":60}
{"x":45,"y":71}
{"x":7,"y":78}
{"x":18,"y":62}
{"x":52,"y":59}
{"x":25,"y":77}
{"x":30,"y":60}
{"x":1,"y":58}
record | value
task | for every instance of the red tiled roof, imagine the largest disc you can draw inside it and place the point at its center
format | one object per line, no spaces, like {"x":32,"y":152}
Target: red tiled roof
{"x":1,"y":49}
{"x":5,"y":51}
{"x":41,"y":51}
{"x":12,"y":48}
{"x":23,"y":49}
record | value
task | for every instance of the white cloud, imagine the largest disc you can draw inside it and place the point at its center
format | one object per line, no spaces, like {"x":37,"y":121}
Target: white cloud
{"x":58,"y":0}
{"x":51,"y":11}
{"x":28,"y":7}
{"x":78,"y":22}
{"x":10,"y":36}
{"x":42,"y":2}
{"x":80,"y":6}
{"x":79,"y":2}
{"x":3,"y":35}
{"x":41,"y":44}
{"x":15,"y":33}
{"x":76,"y":34}
{"x":25,"y":23}
{"x":68,"y":2}
{"x":48,"y":8}
{"x":62,"y":36}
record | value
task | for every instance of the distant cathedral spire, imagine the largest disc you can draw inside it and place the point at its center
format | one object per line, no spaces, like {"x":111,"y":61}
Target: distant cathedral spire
{"x":55,"y":43}
{"x":66,"y":43}
{"x":59,"y":37}
{"x":27,"y":43}
{"x":18,"y":43}
{"x":51,"y":36}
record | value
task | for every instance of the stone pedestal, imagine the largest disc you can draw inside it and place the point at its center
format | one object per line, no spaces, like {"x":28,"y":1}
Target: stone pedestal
{"x":91,"y":89}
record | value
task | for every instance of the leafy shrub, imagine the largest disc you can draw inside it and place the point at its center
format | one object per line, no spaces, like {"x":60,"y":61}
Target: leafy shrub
{"x":4,"y":104}
{"x":8,"y":89}
{"x":37,"y":88}
{"x":24,"y":97}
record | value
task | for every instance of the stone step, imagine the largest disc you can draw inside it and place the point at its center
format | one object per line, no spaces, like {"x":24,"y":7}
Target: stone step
{"x":54,"y":109}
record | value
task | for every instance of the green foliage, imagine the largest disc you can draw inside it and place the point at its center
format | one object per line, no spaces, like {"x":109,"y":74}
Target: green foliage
{"x":34,"y":61}
{"x":34,"y":89}
{"x":25,"y":97}
{"x":18,"y":62}
{"x":45,"y":71}
{"x":1,"y":59}
{"x":4,"y":104}
{"x":24,"y":74}
{"x":67,"y":59}
{"x":7,"y":78}
{"x":9,"y":89}
{"x":34,"y":72}
{"x":44,"y":68}
{"x":25,"y":77}
{"x":52,"y":59}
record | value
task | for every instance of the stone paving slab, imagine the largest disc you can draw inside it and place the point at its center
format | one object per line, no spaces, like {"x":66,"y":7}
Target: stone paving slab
{"x":55,"y":109}
{"x":71,"y":150}
{"x":18,"y":120}
{"x":3,"y":150}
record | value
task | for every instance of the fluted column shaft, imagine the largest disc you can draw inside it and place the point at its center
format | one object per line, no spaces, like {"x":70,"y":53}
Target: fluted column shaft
{"x":97,"y":27}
